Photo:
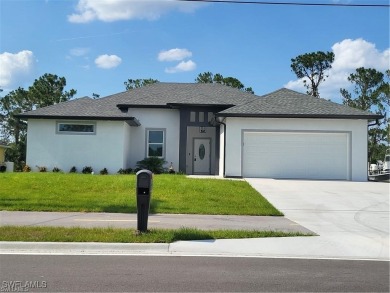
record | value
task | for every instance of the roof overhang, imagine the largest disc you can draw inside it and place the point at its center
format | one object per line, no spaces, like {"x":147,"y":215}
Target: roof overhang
{"x":306,"y":116}
{"x":128,"y":120}
{"x":127,"y":106}
{"x":133,"y":122}
{"x":183,"y":105}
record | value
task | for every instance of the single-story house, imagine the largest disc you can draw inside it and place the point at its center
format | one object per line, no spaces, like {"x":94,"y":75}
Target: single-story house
{"x":4,"y":166}
{"x":3,"y":147}
{"x":204,"y":129}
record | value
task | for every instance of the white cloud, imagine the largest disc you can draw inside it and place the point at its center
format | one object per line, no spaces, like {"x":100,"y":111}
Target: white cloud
{"x":349,"y":55}
{"x":352,"y":54}
{"x":174,"y":55}
{"x":78,"y":52}
{"x":182,"y":66}
{"x":15,"y":68}
{"x":107,"y":61}
{"x":114,"y":10}
{"x":177,"y":55}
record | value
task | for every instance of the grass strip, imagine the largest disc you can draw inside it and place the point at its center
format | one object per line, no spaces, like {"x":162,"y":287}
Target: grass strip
{"x":172,"y":194}
{"x":116,"y":235}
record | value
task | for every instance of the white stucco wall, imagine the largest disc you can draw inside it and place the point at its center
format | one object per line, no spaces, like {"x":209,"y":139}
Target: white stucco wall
{"x":126,"y":146}
{"x":115,"y":145}
{"x":358,"y":128}
{"x":101,"y":150}
{"x":168,"y":119}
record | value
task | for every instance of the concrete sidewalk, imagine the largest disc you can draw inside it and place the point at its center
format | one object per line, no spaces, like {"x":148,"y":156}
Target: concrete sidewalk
{"x":351,"y":219}
{"x":155,"y":221}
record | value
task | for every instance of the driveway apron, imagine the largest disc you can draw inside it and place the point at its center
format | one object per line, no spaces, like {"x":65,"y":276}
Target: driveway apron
{"x":351,"y":218}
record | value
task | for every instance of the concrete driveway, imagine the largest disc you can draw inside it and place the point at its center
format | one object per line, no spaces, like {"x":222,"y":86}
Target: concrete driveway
{"x":349,"y":216}
{"x":351,"y":219}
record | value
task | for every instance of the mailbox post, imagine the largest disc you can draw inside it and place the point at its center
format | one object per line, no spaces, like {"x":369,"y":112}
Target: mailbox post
{"x":144,"y":193}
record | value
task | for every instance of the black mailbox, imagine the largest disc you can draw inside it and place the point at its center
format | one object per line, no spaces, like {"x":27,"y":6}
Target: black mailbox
{"x":144,"y":193}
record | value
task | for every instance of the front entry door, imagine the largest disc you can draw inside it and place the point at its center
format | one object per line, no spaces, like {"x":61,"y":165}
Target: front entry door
{"x":201,"y":155}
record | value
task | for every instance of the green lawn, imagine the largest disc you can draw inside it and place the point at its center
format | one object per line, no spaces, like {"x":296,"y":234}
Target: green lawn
{"x":61,"y":234}
{"x":116,"y":193}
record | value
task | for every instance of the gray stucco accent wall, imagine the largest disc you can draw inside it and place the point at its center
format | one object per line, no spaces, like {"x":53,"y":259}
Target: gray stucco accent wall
{"x":191,"y":126}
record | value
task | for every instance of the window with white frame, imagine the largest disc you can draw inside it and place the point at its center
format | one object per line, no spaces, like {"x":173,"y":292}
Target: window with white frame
{"x":155,"y":143}
{"x":76,"y":128}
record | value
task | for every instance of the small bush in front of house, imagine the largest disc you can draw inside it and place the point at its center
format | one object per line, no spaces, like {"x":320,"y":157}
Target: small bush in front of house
{"x":73,"y":169}
{"x":125,"y":171}
{"x":154,"y":164}
{"x":3,"y":168}
{"x":42,"y":168}
{"x":26,"y":168}
{"x":56,"y":170}
{"x":87,"y":170}
{"x":104,"y":171}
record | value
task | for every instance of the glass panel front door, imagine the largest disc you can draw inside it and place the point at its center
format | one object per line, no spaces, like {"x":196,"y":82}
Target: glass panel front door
{"x":202,"y":155}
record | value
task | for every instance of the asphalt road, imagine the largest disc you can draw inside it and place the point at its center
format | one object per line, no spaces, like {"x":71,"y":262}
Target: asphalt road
{"x":184,"y":274}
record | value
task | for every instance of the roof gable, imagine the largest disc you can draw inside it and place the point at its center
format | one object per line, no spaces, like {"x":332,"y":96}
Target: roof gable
{"x":290,"y":104}
{"x":83,"y":109}
{"x":163,"y":94}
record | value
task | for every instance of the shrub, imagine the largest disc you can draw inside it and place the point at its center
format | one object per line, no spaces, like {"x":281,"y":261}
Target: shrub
{"x":3,"y":168}
{"x":56,"y":170}
{"x":154,"y":164}
{"x":104,"y":171}
{"x":26,"y":168}
{"x":125,"y":171}
{"x":42,"y":169}
{"x":73,"y":170}
{"x":87,"y":170}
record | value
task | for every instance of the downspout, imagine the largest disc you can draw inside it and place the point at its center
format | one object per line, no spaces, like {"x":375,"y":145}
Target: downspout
{"x":375,"y":123}
{"x":224,"y":146}
{"x":369,"y":153}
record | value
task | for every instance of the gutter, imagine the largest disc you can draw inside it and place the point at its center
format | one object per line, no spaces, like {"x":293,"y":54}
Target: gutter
{"x":308,"y":116}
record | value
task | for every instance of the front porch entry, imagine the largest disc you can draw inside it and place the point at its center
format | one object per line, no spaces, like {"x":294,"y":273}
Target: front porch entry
{"x":202,"y":156}
{"x":200,"y":151}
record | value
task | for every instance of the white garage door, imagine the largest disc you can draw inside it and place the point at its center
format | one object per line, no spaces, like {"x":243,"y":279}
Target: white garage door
{"x":298,"y":155}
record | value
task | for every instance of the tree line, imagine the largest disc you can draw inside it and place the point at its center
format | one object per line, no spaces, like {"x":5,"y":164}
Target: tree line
{"x":371,"y":93}
{"x":49,"y":89}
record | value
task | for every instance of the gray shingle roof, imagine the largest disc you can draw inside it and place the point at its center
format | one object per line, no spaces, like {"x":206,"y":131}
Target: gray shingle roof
{"x":288,"y":103}
{"x":162,"y":94}
{"x":83,"y":108}
{"x":281,"y":103}
{"x":154,"y":95}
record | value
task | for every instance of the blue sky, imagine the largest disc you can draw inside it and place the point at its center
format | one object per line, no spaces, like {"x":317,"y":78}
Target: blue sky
{"x":98,"y":44}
